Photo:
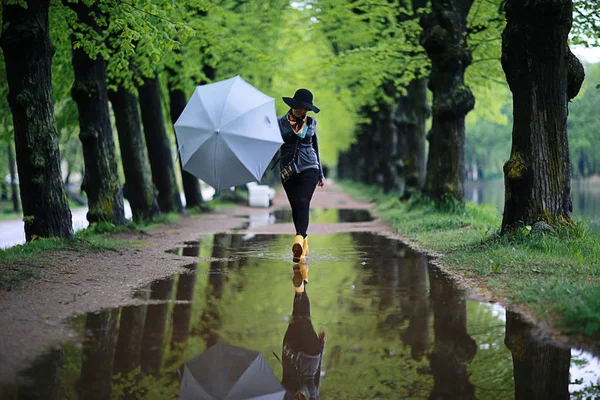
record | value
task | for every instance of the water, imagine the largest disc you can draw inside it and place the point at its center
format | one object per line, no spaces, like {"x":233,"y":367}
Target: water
{"x":396,"y":328}
{"x":317,"y":215}
{"x":585,"y":194}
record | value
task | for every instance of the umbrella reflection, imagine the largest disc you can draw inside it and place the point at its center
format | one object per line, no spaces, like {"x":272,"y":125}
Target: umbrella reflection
{"x":229,"y":372}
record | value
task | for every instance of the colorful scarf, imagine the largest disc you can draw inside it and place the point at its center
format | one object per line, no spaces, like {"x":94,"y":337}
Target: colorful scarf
{"x":299,"y":126}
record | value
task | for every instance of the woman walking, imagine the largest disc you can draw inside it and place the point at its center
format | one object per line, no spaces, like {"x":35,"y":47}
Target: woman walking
{"x":300,"y":164}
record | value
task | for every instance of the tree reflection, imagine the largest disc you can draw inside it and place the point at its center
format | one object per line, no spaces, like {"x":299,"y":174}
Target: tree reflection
{"x":182,"y":312}
{"x":211,"y":315}
{"x":95,"y":381}
{"x":414,"y":303}
{"x":453,"y":348}
{"x":44,"y":376}
{"x":154,"y":328}
{"x":131,"y":330}
{"x":541,"y":370}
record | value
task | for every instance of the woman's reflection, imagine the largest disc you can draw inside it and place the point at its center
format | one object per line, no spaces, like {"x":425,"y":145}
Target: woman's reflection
{"x":302,"y":349}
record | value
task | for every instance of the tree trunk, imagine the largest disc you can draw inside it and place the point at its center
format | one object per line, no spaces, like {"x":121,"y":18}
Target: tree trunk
{"x":159,"y":147}
{"x":411,"y":117}
{"x":543,"y":76}
{"x":390,"y":165}
{"x":28,"y":54}
{"x":138,"y":184}
{"x":13,"y":179}
{"x":443,"y":37}
{"x":541,"y":370}
{"x":191,"y":185}
{"x":101,"y":179}
{"x":95,"y":381}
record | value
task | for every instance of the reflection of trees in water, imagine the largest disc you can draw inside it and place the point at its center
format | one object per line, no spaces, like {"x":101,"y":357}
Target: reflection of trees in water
{"x":541,"y":370}
{"x":182,"y":312}
{"x":414,"y":303}
{"x":131,"y":330}
{"x":153,"y":341}
{"x":400,"y":278}
{"x":211,"y":315}
{"x":453,"y":348}
{"x":44,"y":376}
{"x":95,"y":381}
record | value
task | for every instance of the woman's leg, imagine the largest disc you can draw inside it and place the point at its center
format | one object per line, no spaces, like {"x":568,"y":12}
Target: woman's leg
{"x":291,"y":189}
{"x":304,"y":192}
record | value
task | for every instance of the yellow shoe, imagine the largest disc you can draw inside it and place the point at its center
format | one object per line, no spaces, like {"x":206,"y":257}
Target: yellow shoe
{"x":298,"y":279}
{"x":304,"y":272}
{"x":305,"y":247}
{"x":297,"y":248}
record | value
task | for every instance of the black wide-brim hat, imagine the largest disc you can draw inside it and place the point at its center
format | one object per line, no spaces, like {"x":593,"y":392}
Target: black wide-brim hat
{"x":302,"y":98}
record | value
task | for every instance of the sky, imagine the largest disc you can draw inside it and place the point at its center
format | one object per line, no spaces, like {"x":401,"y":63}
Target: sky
{"x":589,"y":55}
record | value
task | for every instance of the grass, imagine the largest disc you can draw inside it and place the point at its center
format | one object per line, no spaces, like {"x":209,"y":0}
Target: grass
{"x":22,"y":262}
{"x":556,"y":276}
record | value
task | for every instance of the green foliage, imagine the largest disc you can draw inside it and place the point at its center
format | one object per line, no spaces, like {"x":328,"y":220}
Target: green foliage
{"x":584,"y":125}
{"x":485,"y":76}
{"x":488,"y":135}
{"x":586,"y":23}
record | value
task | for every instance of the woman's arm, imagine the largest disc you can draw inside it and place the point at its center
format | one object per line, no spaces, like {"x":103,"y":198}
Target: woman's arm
{"x":322,"y":339}
{"x":315,"y":145}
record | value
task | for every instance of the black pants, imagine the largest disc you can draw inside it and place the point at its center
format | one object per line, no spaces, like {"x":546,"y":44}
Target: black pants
{"x":299,"y":189}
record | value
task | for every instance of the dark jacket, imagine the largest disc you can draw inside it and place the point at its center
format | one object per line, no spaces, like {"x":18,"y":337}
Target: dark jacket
{"x":308,"y":148}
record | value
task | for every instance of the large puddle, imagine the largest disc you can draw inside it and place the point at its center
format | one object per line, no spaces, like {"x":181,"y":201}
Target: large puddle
{"x":396,"y":329}
{"x":317,"y":215}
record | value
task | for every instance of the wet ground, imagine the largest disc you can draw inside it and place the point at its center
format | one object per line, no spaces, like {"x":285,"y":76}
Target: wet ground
{"x":396,"y":328}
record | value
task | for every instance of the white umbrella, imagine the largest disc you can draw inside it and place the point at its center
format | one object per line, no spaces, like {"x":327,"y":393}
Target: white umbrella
{"x":226,"y":372}
{"x":228,"y":133}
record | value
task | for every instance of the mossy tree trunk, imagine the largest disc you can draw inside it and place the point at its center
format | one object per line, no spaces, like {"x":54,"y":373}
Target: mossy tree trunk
{"x":444,"y":39}
{"x":177,"y":102}
{"x":159,"y":147}
{"x":28,"y":57}
{"x":411,"y":116}
{"x":139,"y":189}
{"x":101,"y":178}
{"x":543,"y":76}
{"x":541,"y":370}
